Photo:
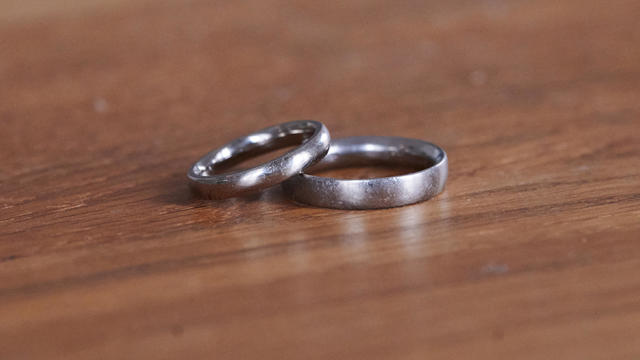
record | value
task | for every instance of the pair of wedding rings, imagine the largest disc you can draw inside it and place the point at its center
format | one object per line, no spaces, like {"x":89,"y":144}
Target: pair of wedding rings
{"x":315,"y":146}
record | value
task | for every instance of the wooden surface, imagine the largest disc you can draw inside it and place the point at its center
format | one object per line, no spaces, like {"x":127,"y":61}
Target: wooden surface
{"x":532,"y":252}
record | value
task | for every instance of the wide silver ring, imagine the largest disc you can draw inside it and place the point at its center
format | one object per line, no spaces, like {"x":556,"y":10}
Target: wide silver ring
{"x":206,"y":179}
{"x":374,"y":193}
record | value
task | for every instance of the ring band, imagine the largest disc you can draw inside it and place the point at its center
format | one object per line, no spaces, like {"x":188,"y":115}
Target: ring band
{"x":374,"y":193}
{"x":205,"y":178}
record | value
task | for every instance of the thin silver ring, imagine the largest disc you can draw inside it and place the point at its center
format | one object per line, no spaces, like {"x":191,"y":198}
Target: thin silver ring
{"x":206,"y":179}
{"x":374,"y":193}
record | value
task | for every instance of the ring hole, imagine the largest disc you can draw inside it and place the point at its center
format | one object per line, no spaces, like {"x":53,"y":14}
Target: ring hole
{"x":359,"y":168}
{"x":252,"y":161}
{"x":254,"y":154}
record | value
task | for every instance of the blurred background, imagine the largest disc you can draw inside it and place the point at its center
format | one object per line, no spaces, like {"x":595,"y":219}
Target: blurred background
{"x":179,"y":71}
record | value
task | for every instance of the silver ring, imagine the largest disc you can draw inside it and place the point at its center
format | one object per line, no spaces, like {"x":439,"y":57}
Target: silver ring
{"x":205,"y":178}
{"x":373,"y":193}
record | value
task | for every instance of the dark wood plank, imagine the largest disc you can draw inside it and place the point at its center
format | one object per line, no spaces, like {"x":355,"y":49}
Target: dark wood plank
{"x":531,"y":252}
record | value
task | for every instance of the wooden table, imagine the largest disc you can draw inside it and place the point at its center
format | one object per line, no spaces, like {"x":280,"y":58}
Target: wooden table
{"x":532,"y":251}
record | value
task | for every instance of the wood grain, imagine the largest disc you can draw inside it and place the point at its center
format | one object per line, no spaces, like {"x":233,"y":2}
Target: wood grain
{"x":532,"y":251}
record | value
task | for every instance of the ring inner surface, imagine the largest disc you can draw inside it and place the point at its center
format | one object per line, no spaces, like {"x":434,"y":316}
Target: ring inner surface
{"x":255,"y":145}
{"x":401,"y":161}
